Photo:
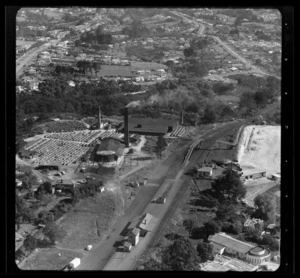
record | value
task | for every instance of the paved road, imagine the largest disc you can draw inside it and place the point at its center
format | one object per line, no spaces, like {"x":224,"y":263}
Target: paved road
{"x":229,"y":49}
{"x":240,"y":58}
{"x":28,"y":57}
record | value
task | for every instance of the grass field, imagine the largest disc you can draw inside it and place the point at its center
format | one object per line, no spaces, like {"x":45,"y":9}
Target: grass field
{"x":147,"y":66}
{"x":49,"y":259}
{"x":88,"y":221}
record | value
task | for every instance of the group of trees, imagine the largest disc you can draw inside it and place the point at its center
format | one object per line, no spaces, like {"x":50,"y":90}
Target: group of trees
{"x":261,"y":35}
{"x":136,"y":29}
{"x":98,"y":36}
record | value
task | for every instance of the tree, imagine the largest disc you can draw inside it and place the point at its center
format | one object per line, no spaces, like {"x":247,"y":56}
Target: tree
{"x":225,"y":211}
{"x":154,"y":265}
{"x":161,"y":144}
{"x":189,"y":225}
{"x":53,"y":232}
{"x":181,"y":255}
{"x":228,"y":187}
{"x":266,"y":207}
{"x":30,"y":243}
{"x":261,"y":98}
{"x":247,"y":101}
{"x":210,"y":228}
{"x":188,"y":52}
{"x":271,"y":242}
{"x":209,"y":115}
{"x":205,"y":251}
{"x":21,"y":205}
{"x":193,"y":107}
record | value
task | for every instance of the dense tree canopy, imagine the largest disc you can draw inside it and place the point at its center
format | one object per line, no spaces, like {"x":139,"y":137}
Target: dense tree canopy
{"x":181,"y":255}
{"x":266,"y":207}
{"x":205,"y":251}
{"x":228,"y":186}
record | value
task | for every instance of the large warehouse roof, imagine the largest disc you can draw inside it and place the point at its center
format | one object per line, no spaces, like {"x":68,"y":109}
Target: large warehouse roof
{"x":149,"y":125}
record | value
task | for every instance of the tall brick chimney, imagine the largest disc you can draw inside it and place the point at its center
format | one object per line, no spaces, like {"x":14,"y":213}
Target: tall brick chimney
{"x":126,"y":128}
{"x":181,"y":118}
{"x":99,"y":118}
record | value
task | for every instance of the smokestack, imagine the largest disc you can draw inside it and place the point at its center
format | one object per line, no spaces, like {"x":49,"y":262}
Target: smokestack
{"x":126,"y":128}
{"x":181,"y":118}
{"x":99,"y":118}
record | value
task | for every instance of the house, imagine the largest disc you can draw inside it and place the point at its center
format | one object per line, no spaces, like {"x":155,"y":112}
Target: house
{"x":127,"y":246}
{"x":144,"y":223}
{"x":134,"y":235}
{"x":223,"y":243}
{"x":204,"y":172}
{"x":18,"y":183}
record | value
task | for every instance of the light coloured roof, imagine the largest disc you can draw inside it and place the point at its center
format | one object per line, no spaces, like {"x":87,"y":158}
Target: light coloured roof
{"x":146,"y":222}
{"x":205,"y":169}
{"x":230,"y":242}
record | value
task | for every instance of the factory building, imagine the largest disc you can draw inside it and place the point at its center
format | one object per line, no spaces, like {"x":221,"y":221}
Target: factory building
{"x":110,"y":152}
{"x":145,"y":126}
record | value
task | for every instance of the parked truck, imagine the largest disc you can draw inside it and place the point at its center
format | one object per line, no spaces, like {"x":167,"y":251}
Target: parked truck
{"x":73,"y":264}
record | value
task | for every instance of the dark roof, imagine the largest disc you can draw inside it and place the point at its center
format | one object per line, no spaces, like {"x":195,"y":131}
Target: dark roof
{"x":149,"y":125}
{"x":111,"y":144}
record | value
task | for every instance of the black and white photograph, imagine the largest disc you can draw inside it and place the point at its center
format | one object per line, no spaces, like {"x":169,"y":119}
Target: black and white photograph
{"x":148,"y":138}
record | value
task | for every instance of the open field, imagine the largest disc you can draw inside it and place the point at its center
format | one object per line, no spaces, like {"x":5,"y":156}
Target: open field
{"x":261,"y":149}
{"x":48,"y":259}
{"x":147,"y":66}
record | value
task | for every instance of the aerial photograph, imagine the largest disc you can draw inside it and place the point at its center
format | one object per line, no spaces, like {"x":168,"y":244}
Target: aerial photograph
{"x":148,"y":139}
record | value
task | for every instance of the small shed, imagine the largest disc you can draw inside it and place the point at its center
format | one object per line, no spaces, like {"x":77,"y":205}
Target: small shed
{"x":127,"y":246}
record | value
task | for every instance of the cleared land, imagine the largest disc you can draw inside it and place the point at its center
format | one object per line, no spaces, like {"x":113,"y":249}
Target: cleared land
{"x":261,"y":149}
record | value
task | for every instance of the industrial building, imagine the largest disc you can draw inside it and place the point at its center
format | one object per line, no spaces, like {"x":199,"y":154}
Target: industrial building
{"x":253,"y":174}
{"x":223,"y":243}
{"x":145,"y":126}
{"x":110,"y":152}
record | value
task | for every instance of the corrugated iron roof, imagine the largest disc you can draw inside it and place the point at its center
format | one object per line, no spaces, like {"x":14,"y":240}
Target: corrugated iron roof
{"x":230,"y":242}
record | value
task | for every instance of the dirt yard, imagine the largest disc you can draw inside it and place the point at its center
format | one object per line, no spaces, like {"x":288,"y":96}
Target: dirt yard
{"x":261,"y":148}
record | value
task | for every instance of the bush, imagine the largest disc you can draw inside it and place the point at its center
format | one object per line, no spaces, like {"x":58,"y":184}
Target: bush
{"x":30,"y":243}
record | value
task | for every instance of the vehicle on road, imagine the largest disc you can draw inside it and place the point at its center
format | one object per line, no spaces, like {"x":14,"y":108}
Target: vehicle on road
{"x":72,"y":265}
{"x":88,"y":248}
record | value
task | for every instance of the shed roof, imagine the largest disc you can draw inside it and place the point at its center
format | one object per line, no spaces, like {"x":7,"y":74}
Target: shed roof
{"x":230,"y":242}
{"x":146,"y":223}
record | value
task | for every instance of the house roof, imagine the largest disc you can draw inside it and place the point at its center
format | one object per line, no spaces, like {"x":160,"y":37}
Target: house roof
{"x":127,"y":244}
{"x":205,"y":169}
{"x":230,"y":242}
{"x":146,"y":223}
{"x":135,"y":231}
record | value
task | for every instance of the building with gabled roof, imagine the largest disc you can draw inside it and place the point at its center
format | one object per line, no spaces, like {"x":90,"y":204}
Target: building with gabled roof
{"x":221,"y":242}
